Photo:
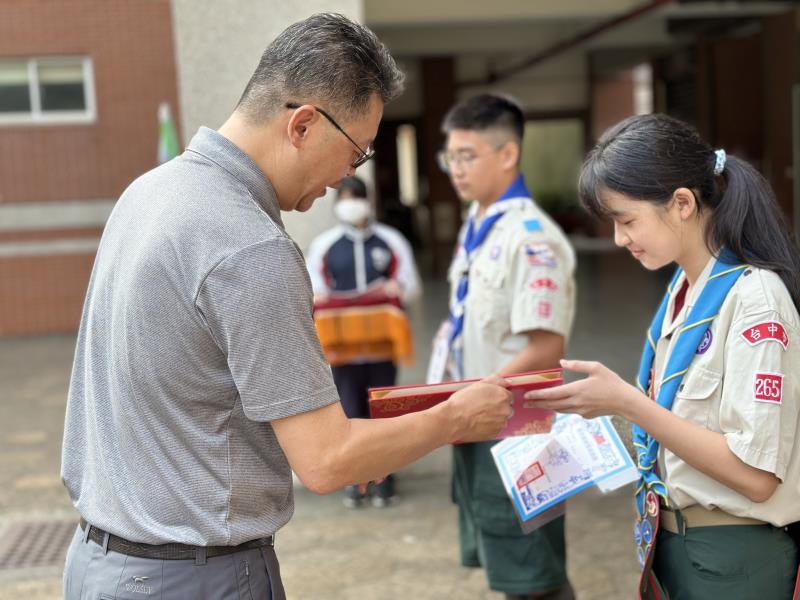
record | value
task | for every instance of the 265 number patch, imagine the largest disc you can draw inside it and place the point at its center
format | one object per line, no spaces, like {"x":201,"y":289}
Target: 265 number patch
{"x":768,"y":387}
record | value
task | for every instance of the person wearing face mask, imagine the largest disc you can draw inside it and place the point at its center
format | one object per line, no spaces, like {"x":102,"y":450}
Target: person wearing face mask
{"x":361,"y":263}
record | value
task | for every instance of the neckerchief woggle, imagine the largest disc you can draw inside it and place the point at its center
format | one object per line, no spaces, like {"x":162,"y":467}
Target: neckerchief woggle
{"x":517,"y":194}
{"x":723,"y":276}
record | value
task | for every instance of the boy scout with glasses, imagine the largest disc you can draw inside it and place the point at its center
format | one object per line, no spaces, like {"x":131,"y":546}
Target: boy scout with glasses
{"x":511,"y":310}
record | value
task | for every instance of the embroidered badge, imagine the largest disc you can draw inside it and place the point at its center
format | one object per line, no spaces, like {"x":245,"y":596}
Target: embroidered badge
{"x":651,"y":504}
{"x":494,"y":253}
{"x":647,"y":532}
{"x":532,"y":473}
{"x":705,"y":343}
{"x":381,"y":258}
{"x":543,"y":283}
{"x":768,"y":387}
{"x":769,"y":330}
{"x":544,"y":309}
{"x":540,"y":255}
{"x":532,"y":225}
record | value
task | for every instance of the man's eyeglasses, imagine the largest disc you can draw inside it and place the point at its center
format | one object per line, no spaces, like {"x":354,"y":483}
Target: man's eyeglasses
{"x":363,"y":155}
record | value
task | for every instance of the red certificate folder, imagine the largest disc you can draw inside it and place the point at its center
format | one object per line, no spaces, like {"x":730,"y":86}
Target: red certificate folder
{"x":527,"y":418}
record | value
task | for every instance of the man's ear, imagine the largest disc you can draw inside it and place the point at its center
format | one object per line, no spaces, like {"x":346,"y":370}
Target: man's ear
{"x":686,"y":202}
{"x":299,"y":122}
{"x":509,"y":155}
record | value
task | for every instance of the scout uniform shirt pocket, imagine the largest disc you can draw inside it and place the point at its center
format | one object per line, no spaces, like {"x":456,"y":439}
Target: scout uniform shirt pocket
{"x":487,"y":298}
{"x":698,"y":392}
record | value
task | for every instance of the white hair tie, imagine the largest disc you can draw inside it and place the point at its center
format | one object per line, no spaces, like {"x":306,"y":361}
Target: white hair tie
{"x":719,"y":165}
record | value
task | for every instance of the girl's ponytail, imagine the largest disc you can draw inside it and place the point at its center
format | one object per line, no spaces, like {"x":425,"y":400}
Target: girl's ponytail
{"x":746,"y":219}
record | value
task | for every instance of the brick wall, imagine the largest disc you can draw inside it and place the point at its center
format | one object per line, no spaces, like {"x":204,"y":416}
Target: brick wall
{"x":45,"y":293}
{"x":45,"y":267}
{"x":131,"y":46}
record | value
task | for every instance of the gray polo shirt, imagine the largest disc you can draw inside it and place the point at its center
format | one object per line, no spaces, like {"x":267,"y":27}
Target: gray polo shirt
{"x":196,"y":333}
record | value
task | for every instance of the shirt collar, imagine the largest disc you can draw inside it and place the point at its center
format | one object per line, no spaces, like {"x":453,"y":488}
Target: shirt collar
{"x":517,"y":189}
{"x":356,"y":233}
{"x":691,"y":297}
{"x":215,"y":147}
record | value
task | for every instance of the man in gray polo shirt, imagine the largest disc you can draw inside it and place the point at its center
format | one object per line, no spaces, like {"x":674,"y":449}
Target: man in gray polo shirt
{"x":198,"y":377}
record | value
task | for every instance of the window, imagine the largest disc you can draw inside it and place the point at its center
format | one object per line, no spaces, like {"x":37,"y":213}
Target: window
{"x":46,"y":90}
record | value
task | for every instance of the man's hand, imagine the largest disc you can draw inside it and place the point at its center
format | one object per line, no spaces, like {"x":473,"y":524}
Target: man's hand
{"x":480,"y":410}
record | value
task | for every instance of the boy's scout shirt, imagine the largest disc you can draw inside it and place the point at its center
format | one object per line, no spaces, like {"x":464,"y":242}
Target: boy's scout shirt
{"x":521,"y":278}
{"x":744,"y":383}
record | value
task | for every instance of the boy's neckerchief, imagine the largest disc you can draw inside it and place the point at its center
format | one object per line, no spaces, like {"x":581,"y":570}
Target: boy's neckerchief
{"x":516,"y":193}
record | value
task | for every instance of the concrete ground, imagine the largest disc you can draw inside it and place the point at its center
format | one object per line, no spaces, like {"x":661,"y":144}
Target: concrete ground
{"x":408,"y":550}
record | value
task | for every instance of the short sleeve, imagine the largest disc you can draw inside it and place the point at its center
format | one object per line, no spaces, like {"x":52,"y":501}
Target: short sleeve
{"x":759,"y":407}
{"x":257,"y":304}
{"x":541,"y":280}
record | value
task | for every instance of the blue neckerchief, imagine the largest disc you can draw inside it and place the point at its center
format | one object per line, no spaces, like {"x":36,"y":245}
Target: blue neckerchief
{"x":724,"y":274}
{"x":469,"y":245}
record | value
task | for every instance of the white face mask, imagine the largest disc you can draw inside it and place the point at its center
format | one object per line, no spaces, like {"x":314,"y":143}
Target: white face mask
{"x":352,"y":211}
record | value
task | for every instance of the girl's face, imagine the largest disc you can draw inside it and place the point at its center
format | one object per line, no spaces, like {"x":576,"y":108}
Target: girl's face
{"x":652,"y":233}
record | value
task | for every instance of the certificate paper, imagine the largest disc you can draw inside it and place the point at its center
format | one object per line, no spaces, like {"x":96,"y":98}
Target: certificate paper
{"x":541,"y":471}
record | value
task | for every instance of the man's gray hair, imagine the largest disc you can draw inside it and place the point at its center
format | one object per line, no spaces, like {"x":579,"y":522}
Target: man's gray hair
{"x":326,"y":58}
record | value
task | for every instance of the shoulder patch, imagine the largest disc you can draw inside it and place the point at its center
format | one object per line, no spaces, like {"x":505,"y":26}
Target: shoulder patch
{"x":543,"y":283}
{"x":532,"y":225}
{"x":768,"y":330}
{"x":540,"y":255}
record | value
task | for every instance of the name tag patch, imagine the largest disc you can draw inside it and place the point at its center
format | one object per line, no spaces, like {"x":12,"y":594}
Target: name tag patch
{"x":768,"y":387}
{"x":762,"y":332}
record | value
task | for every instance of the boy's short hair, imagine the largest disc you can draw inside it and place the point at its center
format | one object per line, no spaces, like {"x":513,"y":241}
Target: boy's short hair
{"x":486,"y":111}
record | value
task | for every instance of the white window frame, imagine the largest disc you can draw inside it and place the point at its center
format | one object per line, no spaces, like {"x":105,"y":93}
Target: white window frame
{"x":36,"y":116}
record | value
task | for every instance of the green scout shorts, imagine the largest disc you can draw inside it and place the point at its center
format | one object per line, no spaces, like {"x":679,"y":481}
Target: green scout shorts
{"x":727,"y":561}
{"x":489,"y":531}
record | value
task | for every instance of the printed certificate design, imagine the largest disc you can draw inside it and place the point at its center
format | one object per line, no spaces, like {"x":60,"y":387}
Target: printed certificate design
{"x":540,"y":471}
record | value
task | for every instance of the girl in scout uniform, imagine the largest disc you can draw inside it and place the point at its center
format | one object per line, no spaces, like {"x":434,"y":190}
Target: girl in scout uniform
{"x":715,"y":409}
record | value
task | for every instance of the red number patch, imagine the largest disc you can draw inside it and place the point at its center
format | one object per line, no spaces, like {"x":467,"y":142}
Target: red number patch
{"x":545,"y":309}
{"x":768,"y":387}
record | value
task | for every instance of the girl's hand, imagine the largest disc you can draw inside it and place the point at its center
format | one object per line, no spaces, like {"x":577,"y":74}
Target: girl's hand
{"x":603,"y":392}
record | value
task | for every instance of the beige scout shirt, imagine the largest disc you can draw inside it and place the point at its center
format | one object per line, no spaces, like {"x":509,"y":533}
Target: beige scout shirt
{"x":520,"y":279}
{"x":744,"y":382}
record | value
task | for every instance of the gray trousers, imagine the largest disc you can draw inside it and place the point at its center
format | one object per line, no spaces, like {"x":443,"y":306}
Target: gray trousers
{"x":90,"y":573}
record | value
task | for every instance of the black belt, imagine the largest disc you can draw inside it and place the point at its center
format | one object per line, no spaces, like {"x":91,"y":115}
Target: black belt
{"x":167,"y":551}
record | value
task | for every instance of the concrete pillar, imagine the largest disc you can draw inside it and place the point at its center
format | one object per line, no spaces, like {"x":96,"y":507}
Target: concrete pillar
{"x":217,"y":47}
{"x":438,"y":95}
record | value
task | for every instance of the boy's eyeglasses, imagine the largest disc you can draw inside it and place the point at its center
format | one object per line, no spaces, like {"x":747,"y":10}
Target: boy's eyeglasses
{"x":448,"y":160}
